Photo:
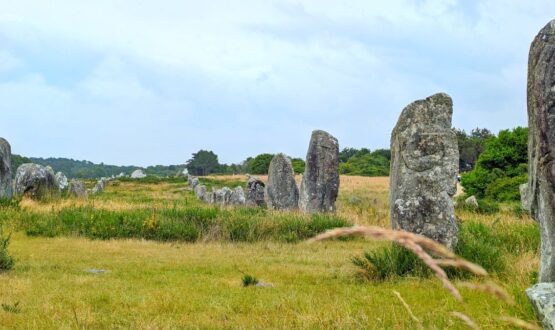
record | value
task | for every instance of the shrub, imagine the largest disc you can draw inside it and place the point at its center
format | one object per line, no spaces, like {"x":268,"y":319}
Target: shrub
{"x":390,"y":261}
{"x":505,"y":188}
{"x":249,"y":280}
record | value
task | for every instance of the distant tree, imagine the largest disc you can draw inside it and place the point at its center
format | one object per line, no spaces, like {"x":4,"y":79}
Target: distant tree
{"x":347,"y":153}
{"x":259,"y":164}
{"x":298,"y":165}
{"x":203,"y":162}
{"x":471,"y":146}
{"x":501,"y":167}
{"x":366,"y":163}
{"x":17,"y":161}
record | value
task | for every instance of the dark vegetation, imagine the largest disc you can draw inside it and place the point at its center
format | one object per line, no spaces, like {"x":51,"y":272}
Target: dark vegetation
{"x":500,"y":168}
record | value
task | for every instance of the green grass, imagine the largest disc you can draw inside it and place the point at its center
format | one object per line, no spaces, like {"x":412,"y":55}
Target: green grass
{"x":174,"y":262}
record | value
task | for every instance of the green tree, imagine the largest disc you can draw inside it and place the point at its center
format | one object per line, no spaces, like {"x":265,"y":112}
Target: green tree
{"x":471,"y":146}
{"x":259,"y":164}
{"x":298,"y":165}
{"x":203,"y":162}
{"x":501,"y":167}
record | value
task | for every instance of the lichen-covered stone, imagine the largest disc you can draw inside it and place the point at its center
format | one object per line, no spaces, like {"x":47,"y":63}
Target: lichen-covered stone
{"x":282,"y":192}
{"x":6,"y":186}
{"x":200,"y":191}
{"x":62,"y":180}
{"x":36,"y":181}
{"x":237,"y":197}
{"x":539,"y":197}
{"x":320,"y":183}
{"x":255,"y":192}
{"x":194,"y":182}
{"x":542,"y":298}
{"x":222,"y":196}
{"x":424,"y":167}
{"x":76,"y":188}
{"x":472,"y":202}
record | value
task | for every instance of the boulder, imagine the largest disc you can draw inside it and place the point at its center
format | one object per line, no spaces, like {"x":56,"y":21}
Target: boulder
{"x":282,"y":192}
{"x":100,"y":186}
{"x":472,"y":202}
{"x":320,"y":183}
{"x":542,"y":297}
{"x":138,"y":174}
{"x":210,"y":197}
{"x":539,"y":194}
{"x":36,"y":181}
{"x":6,"y":186}
{"x":194,"y":182}
{"x":237,"y":197}
{"x":255,"y":192}
{"x":200,"y":191}
{"x":76,"y":188}
{"x":424,"y":168}
{"x":62,"y":180}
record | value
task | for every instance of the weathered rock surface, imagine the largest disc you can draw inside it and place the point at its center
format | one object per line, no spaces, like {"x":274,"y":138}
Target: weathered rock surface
{"x":100,"y":186}
{"x":62,"y":180}
{"x":282,"y":192}
{"x":237,"y":197}
{"x":210,"y":197}
{"x":320,"y":183}
{"x":138,"y":174}
{"x":6,"y":186}
{"x":472,"y":202}
{"x":194,"y":182}
{"x":36,"y":181}
{"x":542,"y":297}
{"x":200,"y":191}
{"x":76,"y":188}
{"x":524,"y":198}
{"x":222,"y":196}
{"x":424,"y":167}
{"x":540,"y":193}
{"x":255,"y":192}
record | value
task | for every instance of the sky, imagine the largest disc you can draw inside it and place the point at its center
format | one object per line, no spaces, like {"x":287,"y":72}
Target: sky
{"x":132,"y":82}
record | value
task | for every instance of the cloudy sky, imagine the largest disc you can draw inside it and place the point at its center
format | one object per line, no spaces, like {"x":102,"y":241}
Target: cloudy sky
{"x":150,"y":82}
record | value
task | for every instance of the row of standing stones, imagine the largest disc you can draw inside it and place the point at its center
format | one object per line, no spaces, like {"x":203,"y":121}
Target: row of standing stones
{"x":424,"y":165}
{"x":37,"y":181}
{"x":319,"y":185}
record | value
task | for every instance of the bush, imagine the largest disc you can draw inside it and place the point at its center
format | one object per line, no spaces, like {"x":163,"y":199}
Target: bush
{"x":390,"y":261}
{"x":506,"y":188}
{"x":500,"y":168}
{"x":249,"y":280}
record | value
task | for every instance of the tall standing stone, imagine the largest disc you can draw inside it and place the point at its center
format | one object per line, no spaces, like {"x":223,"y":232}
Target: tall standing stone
{"x":282,"y":192}
{"x":539,"y":195}
{"x":76,"y":188}
{"x":320,"y":183}
{"x":6,"y":187}
{"x":424,"y":167}
{"x":255,"y":192}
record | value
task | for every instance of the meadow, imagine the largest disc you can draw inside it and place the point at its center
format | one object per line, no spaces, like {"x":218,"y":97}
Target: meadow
{"x":147,"y":254}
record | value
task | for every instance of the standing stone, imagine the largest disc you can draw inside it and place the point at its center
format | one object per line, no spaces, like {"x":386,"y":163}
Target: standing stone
{"x":138,"y":174}
{"x":281,"y":189}
{"x":6,"y":187}
{"x":194,"y":182}
{"x":320,"y":183}
{"x":237,"y":197}
{"x":472,"y":202}
{"x":255,"y":192}
{"x":62,"y":180}
{"x":210,"y":197}
{"x":542,"y":297}
{"x":200,"y":191}
{"x":539,"y":196}
{"x":76,"y":188}
{"x":222,"y":196}
{"x":424,"y":167}
{"x":36,"y":181}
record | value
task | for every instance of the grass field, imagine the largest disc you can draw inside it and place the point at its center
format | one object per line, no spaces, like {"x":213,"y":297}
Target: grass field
{"x":165,"y":282}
